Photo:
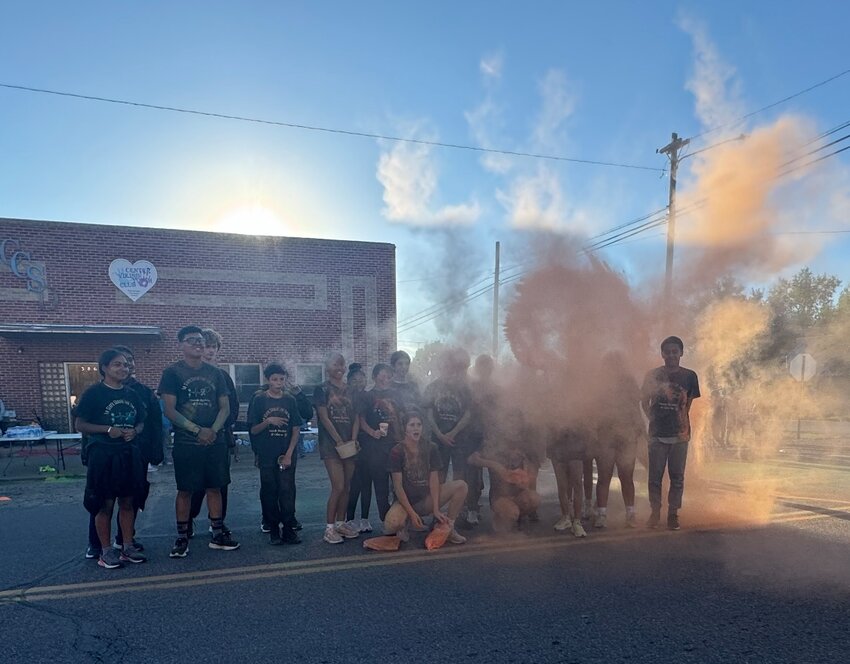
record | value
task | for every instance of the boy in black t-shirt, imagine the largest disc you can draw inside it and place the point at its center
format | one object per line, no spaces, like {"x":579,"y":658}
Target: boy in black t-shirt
{"x":666,"y":398}
{"x":195,"y":399}
{"x":274,"y":423}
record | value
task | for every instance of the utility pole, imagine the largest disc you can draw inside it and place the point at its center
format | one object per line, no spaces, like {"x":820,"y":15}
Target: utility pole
{"x":672,"y":151}
{"x":496,"y":307}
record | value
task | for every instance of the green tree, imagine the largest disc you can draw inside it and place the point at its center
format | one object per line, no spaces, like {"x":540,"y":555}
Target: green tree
{"x":805,"y":300}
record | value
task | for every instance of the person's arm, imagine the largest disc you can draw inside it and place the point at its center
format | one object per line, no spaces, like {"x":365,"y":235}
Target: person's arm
{"x":177,"y":419}
{"x":328,"y":425}
{"x":305,"y":408}
{"x":434,"y":486}
{"x":207,"y":435}
{"x":293,"y":443}
{"x":375,"y":433}
{"x":439,"y":434}
{"x":355,"y":427}
{"x":461,"y":425}
{"x":88,"y":428}
{"x":693,"y":393}
{"x":476,"y":459}
{"x":401,"y":497}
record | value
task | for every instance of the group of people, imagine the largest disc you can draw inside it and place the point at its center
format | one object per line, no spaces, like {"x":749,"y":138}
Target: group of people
{"x":392,"y":439}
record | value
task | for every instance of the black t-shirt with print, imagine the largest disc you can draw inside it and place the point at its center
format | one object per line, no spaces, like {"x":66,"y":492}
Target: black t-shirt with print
{"x":378,"y":406}
{"x":450,"y":400}
{"x":415,"y":469}
{"x":104,"y":405}
{"x":273,"y":441}
{"x":197,"y":391}
{"x":408,"y":392}
{"x":341,"y":411}
{"x":668,"y":392}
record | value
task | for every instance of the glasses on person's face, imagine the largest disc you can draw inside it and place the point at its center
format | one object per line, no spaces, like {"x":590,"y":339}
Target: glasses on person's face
{"x":194,"y":341}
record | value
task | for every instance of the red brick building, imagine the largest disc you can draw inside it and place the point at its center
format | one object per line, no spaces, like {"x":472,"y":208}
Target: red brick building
{"x":66,"y":295}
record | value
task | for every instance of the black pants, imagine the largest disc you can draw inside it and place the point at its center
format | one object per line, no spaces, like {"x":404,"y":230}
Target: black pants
{"x":361,"y":484}
{"x":277,"y":496}
{"x":198,"y":500}
{"x":269,"y":520}
{"x":379,"y":476}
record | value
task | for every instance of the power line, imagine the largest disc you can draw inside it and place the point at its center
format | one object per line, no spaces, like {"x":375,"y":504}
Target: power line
{"x":772,"y":105}
{"x":330,"y":130}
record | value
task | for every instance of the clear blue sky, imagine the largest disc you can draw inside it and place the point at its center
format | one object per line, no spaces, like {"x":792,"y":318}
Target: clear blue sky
{"x":598,"y":81}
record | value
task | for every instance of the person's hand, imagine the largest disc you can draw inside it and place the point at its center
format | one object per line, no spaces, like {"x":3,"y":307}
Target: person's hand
{"x":115,"y":432}
{"x":277,"y":421}
{"x":206,"y":436}
{"x":447,"y":440}
{"x":441,"y":518}
{"x":287,"y":461}
{"x":128,"y":434}
{"x":377,"y":434}
{"x":416,"y":520}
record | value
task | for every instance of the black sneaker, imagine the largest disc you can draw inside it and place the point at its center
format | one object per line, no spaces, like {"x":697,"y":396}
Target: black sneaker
{"x":289,"y":536}
{"x":265,"y":528}
{"x":92,"y":553}
{"x":654,"y":519}
{"x":295,"y":524}
{"x":180,"y":549}
{"x":672,"y":521}
{"x":275,"y":539}
{"x":223,"y":542}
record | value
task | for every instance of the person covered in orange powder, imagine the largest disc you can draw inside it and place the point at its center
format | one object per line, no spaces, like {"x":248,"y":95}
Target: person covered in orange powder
{"x":512,"y":498}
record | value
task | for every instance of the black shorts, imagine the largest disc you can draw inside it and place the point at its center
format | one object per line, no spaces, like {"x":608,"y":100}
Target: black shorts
{"x":114,"y":470}
{"x":199,"y":467}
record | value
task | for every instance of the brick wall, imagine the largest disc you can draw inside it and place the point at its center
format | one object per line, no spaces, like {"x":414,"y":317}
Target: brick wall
{"x":248,"y":288}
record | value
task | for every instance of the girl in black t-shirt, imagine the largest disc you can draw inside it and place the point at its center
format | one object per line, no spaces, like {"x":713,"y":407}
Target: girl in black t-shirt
{"x":111,"y":416}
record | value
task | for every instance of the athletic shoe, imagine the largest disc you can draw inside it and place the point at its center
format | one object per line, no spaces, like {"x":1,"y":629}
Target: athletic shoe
{"x":223,"y":542}
{"x":152,"y":468}
{"x":673,"y":521}
{"x":180,"y":549}
{"x":586,"y":511}
{"x":472,"y":518}
{"x":295,"y":524}
{"x":275,"y":539}
{"x":353,"y":524}
{"x":456,"y":538}
{"x":137,"y":545}
{"x":110,"y":559}
{"x":563,"y":523}
{"x":347,"y":532}
{"x":131,"y":555}
{"x":190,"y":533}
{"x":578,"y":529}
{"x":403,"y":534}
{"x":631,"y":520}
{"x":289,"y":536}
{"x":92,"y":553}
{"x":365,"y":526}
{"x":600,"y":521}
{"x":654,"y":519}
{"x":265,"y":528}
{"x":332,"y":536}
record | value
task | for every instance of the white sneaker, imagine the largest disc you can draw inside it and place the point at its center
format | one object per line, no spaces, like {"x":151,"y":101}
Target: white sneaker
{"x":472,"y":518}
{"x":347,"y":531}
{"x":354,"y":525}
{"x":456,"y":538}
{"x":403,"y":534}
{"x":332,"y":536}
{"x":600,"y":521}
{"x":631,"y":520}
{"x":152,"y":468}
{"x":578,"y":529}
{"x":365,"y":526}
{"x":563,"y":523}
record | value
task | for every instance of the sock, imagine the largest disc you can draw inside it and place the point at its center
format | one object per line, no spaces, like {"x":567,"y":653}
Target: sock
{"x":337,"y":524}
{"x":217,"y":525}
{"x":602,"y":510}
{"x":630,"y":509}
{"x":330,"y":526}
{"x":182,"y":528}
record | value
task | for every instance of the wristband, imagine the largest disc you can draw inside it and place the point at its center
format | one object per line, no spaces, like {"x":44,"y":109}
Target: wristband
{"x":108,"y":430}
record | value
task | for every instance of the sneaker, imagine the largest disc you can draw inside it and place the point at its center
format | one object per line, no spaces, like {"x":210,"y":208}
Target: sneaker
{"x":578,"y":529}
{"x":110,"y":559}
{"x":563,"y":523}
{"x":180,"y":549}
{"x":295,"y":524}
{"x":456,"y":538}
{"x":265,"y":528}
{"x":631,"y":520}
{"x":289,"y":536}
{"x":131,"y":555}
{"x":600,"y":521}
{"x":673,"y":521}
{"x":136,"y":544}
{"x":365,"y":526}
{"x":92,"y":553}
{"x":190,"y":533}
{"x":347,"y":532}
{"x":275,"y":539}
{"x":224,"y":542}
{"x":472,"y":518}
{"x":152,"y":468}
{"x":654,"y":519}
{"x":353,"y":524}
{"x":403,"y":534}
{"x":332,"y":536}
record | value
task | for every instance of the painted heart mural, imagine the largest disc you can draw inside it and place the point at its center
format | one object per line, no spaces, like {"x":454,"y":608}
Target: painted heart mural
{"x":132,"y":279}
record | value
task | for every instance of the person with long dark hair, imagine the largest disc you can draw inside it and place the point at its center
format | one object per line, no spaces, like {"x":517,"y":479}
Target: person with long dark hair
{"x":111,"y":415}
{"x":381,"y":410}
{"x":361,"y":483}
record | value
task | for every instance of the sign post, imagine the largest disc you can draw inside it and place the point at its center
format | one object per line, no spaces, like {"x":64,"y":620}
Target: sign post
{"x":802,"y":369}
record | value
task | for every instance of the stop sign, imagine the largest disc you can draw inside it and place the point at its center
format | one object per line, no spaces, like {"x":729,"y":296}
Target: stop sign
{"x":803,"y":367}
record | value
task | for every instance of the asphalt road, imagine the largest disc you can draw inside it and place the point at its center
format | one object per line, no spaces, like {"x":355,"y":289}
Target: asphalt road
{"x":772,"y":588}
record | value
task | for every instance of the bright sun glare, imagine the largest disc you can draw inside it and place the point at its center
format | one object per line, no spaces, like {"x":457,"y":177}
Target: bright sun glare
{"x":253,"y":219}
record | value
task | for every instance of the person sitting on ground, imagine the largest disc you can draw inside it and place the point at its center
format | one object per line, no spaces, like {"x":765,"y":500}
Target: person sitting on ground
{"x":274,"y":424}
{"x":414,"y":465}
{"x":111,"y":416}
{"x":511,"y":497}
